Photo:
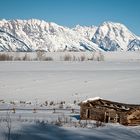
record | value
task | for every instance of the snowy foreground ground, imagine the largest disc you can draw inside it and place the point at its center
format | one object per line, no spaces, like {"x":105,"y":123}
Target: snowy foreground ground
{"x":27,"y":85}
{"x":39,"y":131}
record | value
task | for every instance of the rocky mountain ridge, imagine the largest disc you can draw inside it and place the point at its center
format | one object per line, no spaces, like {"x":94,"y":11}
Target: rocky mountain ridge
{"x":33,"y":34}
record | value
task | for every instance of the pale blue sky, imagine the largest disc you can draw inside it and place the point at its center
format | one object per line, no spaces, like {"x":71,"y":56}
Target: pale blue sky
{"x":72,"y":12}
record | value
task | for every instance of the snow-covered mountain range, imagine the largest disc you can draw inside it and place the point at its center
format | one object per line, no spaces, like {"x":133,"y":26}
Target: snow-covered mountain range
{"x":33,"y":34}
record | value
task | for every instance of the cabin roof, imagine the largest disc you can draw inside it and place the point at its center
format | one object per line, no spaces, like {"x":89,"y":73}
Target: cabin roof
{"x":91,"y":102}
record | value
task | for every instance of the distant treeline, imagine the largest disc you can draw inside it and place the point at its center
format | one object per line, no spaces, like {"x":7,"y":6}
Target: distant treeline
{"x":46,"y":56}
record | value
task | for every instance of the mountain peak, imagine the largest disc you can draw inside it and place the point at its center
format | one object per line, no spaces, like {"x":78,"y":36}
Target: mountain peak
{"x":113,"y":36}
{"x":111,"y":23}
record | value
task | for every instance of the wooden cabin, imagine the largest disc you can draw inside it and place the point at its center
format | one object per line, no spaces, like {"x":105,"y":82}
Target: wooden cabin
{"x":108,"y":111}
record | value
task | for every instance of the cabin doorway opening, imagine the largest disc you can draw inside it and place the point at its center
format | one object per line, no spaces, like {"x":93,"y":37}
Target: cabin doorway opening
{"x":106,"y":117}
{"x":88,"y":113}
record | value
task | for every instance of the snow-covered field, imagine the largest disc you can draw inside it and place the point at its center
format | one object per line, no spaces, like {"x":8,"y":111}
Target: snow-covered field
{"x":36,"y":82}
{"x":118,"y":81}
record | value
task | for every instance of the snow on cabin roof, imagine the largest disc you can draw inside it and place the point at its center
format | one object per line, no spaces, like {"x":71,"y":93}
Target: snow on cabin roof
{"x":113,"y":104}
{"x":92,"y":99}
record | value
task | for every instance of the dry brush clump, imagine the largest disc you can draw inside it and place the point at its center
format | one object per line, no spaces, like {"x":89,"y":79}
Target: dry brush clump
{"x":5,"y":57}
{"x":45,"y":56}
{"x":48,"y":58}
{"x":82,"y":58}
{"x":26,"y":58}
{"x":96,"y":56}
{"x":41,"y":56}
{"x":67,"y":57}
{"x":99,"y":56}
{"x":16,"y":56}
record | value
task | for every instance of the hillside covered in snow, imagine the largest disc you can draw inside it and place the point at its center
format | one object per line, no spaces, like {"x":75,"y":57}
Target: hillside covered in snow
{"x":31,"y":35}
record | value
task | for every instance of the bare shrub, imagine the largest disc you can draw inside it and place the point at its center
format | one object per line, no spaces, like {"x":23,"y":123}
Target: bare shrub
{"x":22,"y":102}
{"x":48,"y":58}
{"x":58,"y":122}
{"x":40,"y":54}
{"x":25,"y":57}
{"x":72,"y":110}
{"x":99,"y":124}
{"x":5,"y":57}
{"x":78,"y":59}
{"x":46,"y":103}
{"x":35,"y":59}
{"x":62,"y":102}
{"x":12,"y":102}
{"x":10,"y":58}
{"x":51,"y":103}
{"x":83,"y":58}
{"x":100,"y":56}
{"x":74,"y":58}
{"x":34,"y":110}
{"x":13,"y":110}
{"x":74,"y":101}
{"x":67,"y":57}
{"x":61,"y":106}
{"x":54,"y":110}
{"x":92,"y":57}
{"x":8,"y":121}
{"x":17,"y":59}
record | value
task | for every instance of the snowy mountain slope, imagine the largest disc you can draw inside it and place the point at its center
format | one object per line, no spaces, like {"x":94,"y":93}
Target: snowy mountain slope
{"x":134,"y":45}
{"x":47,"y":36}
{"x":33,"y":34}
{"x":87,"y":32}
{"x":10,"y":43}
{"x":115,"y":36}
